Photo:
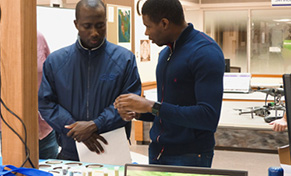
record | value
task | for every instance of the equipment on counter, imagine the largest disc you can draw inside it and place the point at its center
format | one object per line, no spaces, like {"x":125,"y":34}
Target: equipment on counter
{"x":265,"y":110}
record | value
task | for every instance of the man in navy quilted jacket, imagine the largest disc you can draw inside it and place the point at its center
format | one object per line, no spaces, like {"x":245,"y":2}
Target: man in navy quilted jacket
{"x":80,"y":83}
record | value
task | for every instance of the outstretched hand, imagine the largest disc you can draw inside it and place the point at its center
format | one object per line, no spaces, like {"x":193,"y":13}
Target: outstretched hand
{"x":279,"y":124}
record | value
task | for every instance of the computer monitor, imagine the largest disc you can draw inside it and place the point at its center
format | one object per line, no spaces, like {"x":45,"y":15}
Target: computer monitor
{"x":162,"y":170}
{"x":287,"y":92}
{"x":237,"y":82}
{"x":227,"y":65}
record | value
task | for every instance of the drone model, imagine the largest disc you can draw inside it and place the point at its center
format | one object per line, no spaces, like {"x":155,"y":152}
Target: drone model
{"x":265,"y":111}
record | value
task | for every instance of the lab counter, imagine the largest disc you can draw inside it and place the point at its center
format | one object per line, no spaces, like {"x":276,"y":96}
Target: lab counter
{"x":235,"y":132}
{"x":242,"y":132}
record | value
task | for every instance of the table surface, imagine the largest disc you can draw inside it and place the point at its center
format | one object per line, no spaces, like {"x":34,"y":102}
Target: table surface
{"x":229,"y":116}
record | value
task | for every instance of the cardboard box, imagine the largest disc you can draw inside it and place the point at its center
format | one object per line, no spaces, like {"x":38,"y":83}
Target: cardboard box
{"x":284,"y":156}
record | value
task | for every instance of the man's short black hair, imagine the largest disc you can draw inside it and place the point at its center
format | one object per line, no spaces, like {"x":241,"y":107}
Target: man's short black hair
{"x":88,"y":3}
{"x":158,"y":9}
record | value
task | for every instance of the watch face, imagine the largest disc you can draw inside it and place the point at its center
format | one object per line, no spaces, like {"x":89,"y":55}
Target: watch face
{"x":156,"y":108}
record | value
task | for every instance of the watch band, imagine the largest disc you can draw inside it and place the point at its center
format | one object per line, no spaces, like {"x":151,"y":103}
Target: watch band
{"x":156,"y":108}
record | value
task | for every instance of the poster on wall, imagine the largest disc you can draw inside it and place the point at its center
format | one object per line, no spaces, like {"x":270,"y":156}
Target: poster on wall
{"x":124,"y":27}
{"x":145,"y":50}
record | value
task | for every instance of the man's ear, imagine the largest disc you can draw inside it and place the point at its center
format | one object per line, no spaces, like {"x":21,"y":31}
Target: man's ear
{"x":76,"y":24}
{"x":165,"y":23}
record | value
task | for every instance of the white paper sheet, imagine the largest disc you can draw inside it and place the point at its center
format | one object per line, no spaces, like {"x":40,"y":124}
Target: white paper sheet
{"x":115,"y":153}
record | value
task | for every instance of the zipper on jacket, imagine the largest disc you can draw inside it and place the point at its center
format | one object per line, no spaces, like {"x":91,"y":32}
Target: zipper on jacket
{"x":163,"y":88}
{"x":88,"y":85}
{"x":172,"y":47}
{"x":169,"y":58}
{"x":160,"y":154}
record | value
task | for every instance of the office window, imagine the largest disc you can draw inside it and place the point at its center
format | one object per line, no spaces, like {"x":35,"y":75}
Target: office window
{"x":270,"y":41}
{"x":229,"y":30}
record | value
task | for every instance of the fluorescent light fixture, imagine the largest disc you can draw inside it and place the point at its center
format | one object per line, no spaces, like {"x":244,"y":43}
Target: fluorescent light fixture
{"x":283,"y":20}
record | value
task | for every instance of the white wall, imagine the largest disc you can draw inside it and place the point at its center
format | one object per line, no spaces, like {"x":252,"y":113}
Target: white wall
{"x":57,"y":26}
{"x":147,"y":70}
{"x":195,"y":17}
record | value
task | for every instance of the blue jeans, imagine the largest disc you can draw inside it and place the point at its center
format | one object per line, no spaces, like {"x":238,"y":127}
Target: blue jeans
{"x":192,"y":159}
{"x":48,"y":147}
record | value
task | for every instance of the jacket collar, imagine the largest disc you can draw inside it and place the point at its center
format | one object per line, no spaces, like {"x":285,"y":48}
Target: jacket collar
{"x":183,"y":36}
{"x":85,"y":50}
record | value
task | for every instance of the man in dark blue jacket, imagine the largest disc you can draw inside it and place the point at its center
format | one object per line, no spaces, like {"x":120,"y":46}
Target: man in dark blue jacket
{"x":80,"y":83}
{"x":189,"y":84}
